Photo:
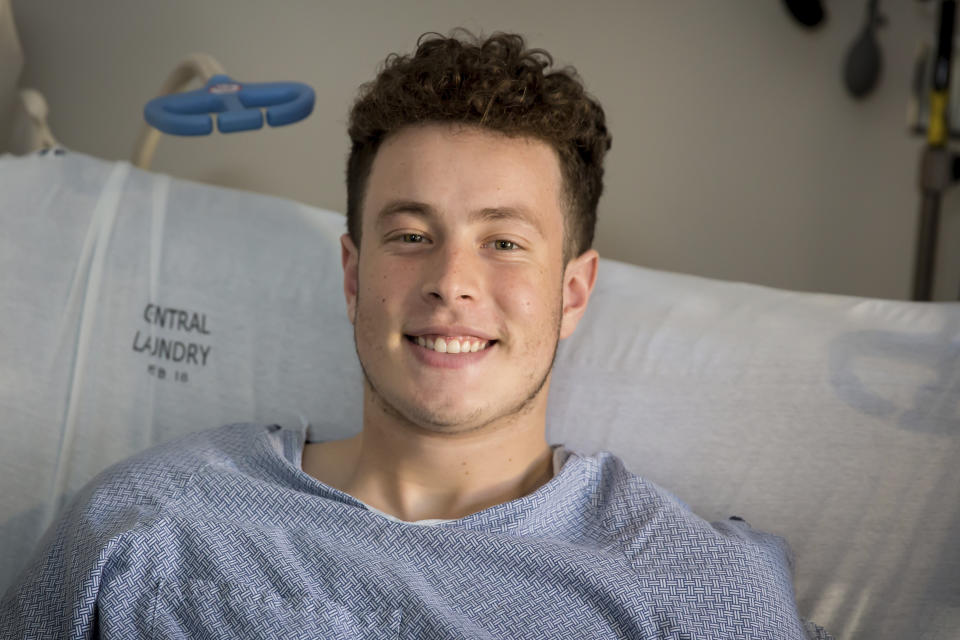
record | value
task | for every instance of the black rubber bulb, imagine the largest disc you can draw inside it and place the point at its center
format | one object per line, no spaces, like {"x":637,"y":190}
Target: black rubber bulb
{"x":862,"y":68}
{"x":863,"y":64}
{"x":809,"y":13}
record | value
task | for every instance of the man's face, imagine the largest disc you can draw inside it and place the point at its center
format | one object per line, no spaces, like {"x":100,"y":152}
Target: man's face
{"x":462,"y":245}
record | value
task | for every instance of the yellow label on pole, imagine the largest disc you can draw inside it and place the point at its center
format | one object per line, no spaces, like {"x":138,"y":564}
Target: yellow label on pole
{"x":937,"y":131}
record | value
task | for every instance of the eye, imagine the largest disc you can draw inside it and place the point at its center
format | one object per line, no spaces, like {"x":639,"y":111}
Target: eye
{"x":505,"y":245}
{"x":411,"y":238}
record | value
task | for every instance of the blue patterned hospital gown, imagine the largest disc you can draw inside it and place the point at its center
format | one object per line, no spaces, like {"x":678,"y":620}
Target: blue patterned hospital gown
{"x":222,"y":535}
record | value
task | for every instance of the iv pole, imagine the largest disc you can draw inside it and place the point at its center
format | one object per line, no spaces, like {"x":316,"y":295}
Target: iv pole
{"x":939,"y":168}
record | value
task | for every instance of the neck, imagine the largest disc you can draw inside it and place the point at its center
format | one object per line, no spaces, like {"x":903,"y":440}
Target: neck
{"x":414,"y":473}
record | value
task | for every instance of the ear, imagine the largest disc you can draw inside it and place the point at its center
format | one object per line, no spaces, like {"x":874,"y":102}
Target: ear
{"x":350,"y":257}
{"x":578,"y":280}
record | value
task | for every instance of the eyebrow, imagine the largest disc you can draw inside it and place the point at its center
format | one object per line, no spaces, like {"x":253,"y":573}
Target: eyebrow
{"x":422,"y":209}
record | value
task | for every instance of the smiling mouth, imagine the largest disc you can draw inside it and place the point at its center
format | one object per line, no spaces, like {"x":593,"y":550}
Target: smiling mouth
{"x":451,"y":344}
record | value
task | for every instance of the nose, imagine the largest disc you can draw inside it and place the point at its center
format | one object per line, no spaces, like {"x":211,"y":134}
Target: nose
{"x":452,"y":276}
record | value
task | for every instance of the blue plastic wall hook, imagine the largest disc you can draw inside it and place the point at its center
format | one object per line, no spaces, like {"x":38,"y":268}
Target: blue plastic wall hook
{"x":238,"y":107}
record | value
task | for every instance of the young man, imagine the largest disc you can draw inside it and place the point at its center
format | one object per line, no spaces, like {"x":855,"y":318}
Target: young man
{"x":473,"y":183}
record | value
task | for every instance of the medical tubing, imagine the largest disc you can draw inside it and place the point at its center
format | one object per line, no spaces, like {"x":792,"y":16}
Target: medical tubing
{"x":196,"y":65}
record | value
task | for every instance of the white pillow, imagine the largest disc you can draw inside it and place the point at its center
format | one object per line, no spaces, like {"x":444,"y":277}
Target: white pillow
{"x":832,"y":421}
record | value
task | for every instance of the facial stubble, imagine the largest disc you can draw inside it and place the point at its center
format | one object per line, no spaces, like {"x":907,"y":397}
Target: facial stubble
{"x":427,"y":421}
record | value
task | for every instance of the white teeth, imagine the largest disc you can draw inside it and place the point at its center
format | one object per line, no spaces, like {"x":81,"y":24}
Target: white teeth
{"x":452,"y":345}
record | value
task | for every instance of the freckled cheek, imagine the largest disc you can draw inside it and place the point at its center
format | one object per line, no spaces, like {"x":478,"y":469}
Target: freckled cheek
{"x":383,"y":296}
{"x":528,"y":308}
{"x":382,"y":281}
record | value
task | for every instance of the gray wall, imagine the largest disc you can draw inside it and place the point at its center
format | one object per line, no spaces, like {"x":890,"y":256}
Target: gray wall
{"x":737,"y":154}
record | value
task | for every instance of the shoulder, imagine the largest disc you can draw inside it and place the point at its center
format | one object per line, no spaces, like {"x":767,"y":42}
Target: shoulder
{"x":651,"y":521}
{"x":115,"y":531}
{"x":627,"y":496}
{"x":150,"y":480}
{"x":726,"y":572}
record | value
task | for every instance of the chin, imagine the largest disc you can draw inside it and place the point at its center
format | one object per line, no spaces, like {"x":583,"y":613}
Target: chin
{"x":445,"y":419}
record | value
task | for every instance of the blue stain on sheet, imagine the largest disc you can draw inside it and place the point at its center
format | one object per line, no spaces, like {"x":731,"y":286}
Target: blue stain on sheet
{"x":859,"y":378}
{"x":239,"y":107}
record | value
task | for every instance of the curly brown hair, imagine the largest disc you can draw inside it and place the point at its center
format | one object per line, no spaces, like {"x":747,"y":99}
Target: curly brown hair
{"x":496,"y":84}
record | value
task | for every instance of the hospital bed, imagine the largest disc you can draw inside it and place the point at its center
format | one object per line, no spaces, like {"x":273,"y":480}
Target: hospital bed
{"x":135,"y":307}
